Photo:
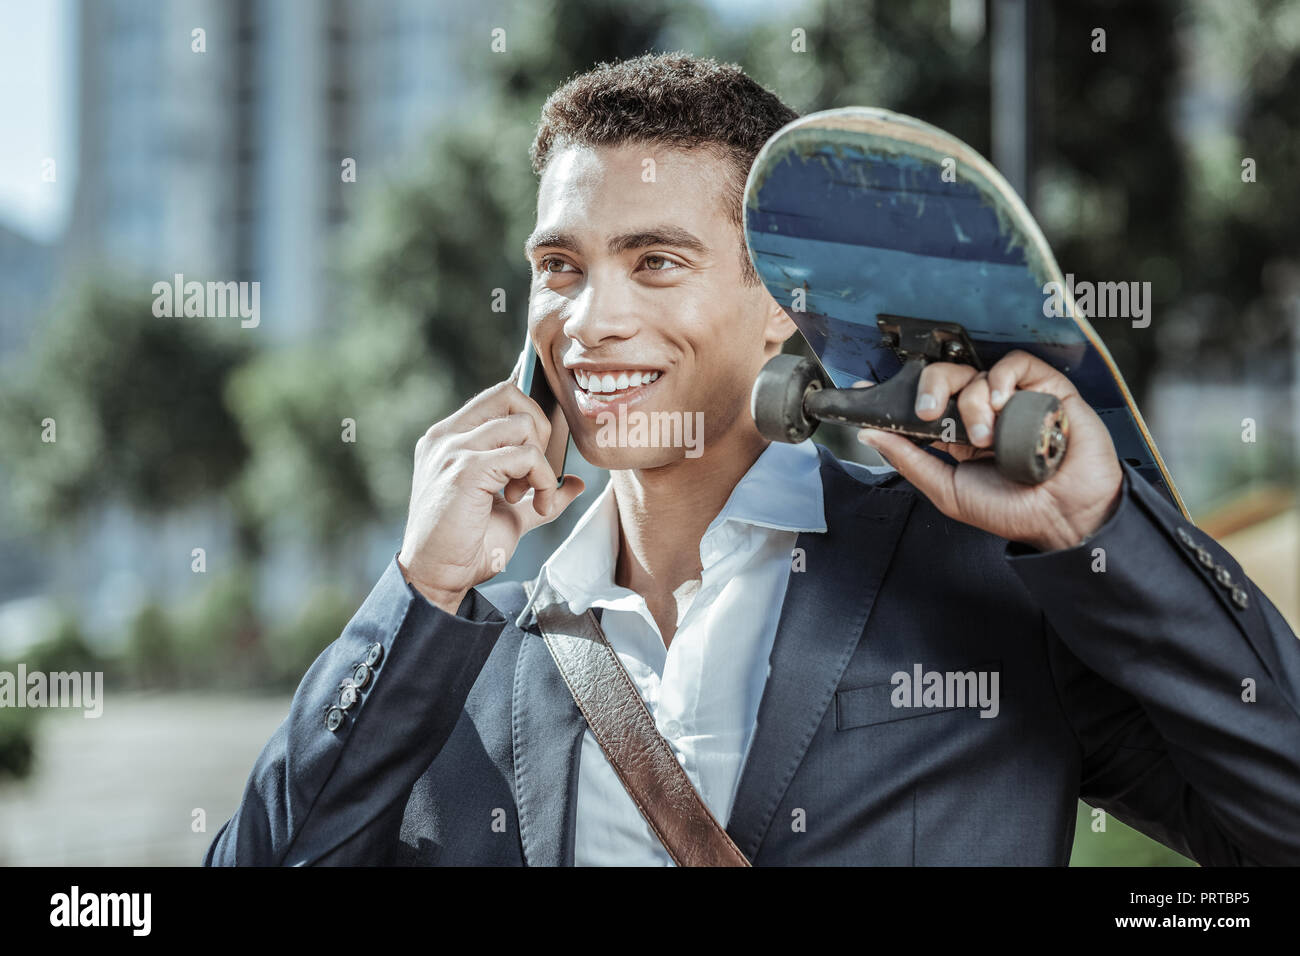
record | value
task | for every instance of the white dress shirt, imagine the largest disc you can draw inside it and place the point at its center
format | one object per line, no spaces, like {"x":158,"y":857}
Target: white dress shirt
{"x":704,"y":689}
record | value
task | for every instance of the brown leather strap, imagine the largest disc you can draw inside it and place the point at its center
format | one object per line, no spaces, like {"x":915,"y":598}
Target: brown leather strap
{"x":626,"y":732}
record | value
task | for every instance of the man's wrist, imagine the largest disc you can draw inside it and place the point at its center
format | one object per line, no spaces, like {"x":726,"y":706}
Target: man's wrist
{"x":1054,"y":542}
{"x":1070,"y":535}
{"x":449,"y":601}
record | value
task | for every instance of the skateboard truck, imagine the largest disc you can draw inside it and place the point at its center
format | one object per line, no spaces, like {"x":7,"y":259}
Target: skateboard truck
{"x":793,"y":395}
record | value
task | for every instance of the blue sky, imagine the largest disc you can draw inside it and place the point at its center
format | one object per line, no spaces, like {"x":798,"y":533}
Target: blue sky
{"x":36,"y":114}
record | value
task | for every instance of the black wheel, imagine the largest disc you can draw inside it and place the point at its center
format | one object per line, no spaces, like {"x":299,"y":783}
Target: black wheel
{"x":1030,"y":437}
{"x":777,"y":399}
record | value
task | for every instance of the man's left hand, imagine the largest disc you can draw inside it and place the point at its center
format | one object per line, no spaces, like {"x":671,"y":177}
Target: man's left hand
{"x":1059,"y":513}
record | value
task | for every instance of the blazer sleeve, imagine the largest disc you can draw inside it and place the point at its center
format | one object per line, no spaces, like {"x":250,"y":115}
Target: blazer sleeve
{"x":326,"y":786}
{"x":1181,"y":682}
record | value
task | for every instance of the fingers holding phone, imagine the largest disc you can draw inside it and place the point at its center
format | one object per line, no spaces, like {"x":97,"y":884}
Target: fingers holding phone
{"x":530,"y":375}
{"x":473,"y":471}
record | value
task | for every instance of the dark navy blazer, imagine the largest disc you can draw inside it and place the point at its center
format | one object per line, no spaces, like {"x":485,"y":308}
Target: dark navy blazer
{"x":1123,"y":687}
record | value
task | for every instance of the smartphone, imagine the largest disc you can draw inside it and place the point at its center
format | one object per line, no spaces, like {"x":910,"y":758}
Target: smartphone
{"x":531,"y":379}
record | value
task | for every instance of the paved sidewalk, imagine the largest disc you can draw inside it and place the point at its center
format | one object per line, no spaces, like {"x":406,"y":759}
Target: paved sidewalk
{"x":121,"y":789}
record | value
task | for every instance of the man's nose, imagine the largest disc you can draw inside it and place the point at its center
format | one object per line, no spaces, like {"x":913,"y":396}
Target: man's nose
{"x":602,"y":311}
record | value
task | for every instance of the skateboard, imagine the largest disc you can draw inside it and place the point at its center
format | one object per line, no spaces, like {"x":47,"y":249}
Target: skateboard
{"x":893,"y":244}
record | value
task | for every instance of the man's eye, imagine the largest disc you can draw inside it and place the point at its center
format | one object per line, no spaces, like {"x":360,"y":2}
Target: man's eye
{"x":659,"y":264}
{"x":556,"y":266}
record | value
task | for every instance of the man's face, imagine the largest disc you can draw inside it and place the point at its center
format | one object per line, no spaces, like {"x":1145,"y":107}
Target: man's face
{"x":637,"y":280}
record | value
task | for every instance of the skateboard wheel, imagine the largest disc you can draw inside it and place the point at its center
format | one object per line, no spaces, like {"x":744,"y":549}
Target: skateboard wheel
{"x":1030,"y":437}
{"x":778,"y":395}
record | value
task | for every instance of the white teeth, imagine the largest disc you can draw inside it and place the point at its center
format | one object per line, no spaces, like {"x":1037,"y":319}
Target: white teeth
{"x":609,"y":383}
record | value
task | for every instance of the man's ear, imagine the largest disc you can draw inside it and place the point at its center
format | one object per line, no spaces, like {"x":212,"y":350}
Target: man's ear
{"x":778,"y":326}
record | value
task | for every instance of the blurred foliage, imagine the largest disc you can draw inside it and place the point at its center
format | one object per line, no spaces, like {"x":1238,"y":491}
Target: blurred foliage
{"x":151,"y":658}
{"x":17,"y":742}
{"x":1140,"y":154}
{"x":1111,"y":175}
{"x":1242,"y":266}
{"x":136,"y":402}
{"x":294,"y":646}
{"x":217,"y":638}
{"x":63,"y":649}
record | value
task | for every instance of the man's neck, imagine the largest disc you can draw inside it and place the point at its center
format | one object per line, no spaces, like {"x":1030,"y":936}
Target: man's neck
{"x":663,"y":513}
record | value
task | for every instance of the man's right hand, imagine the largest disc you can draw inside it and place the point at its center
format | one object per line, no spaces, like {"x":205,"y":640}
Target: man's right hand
{"x":470,"y":501}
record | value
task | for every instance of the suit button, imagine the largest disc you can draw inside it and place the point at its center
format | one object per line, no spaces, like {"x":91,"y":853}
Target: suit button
{"x":1184,"y":537}
{"x":1240,"y":598}
{"x":374,"y":654}
{"x":361,"y":676}
{"x":1222,"y":576}
{"x":348,"y":696}
{"x":1205,"y":557}
{"x":334,"y":719}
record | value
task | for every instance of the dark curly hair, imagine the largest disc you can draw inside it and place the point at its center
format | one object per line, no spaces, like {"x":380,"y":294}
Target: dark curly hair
{"x":671,"y":99}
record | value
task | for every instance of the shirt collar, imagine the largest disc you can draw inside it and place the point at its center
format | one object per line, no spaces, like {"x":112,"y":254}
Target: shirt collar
{"x":782,"y":490}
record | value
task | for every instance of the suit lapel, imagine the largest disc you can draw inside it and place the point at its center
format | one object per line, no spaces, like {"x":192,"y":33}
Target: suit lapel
{"x":547,"y":730}
{"x":823,"y":618}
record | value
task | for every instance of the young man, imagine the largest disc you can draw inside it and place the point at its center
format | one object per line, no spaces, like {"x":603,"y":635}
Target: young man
{"x":765,"y":598}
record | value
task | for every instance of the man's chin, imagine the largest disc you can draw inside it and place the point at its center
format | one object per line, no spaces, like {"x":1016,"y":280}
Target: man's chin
{"x":614,"y":458}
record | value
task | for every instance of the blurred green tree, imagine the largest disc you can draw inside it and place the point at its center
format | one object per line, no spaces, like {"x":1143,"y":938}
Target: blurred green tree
{"x":118,"y":406}
{"x":17,"y":742}
{"x":64,"y":648}
{"x":1111,"y":174}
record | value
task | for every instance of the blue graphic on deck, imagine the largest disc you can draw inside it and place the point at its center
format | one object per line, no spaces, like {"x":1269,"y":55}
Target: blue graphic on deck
{"x":885,"y":201}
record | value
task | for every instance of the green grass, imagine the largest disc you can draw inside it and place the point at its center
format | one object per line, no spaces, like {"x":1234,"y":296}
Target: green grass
{"x":1119,"y":845}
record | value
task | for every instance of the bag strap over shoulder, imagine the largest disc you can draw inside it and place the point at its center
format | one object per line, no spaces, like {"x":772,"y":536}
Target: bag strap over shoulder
{"x":626,"y":732}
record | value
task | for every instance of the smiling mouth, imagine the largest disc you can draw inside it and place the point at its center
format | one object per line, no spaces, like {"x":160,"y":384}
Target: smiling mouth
{"x":600,"y":389}
{"x":607,"y":385}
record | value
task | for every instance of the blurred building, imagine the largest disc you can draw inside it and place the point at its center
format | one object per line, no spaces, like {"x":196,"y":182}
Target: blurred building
{"x":227,"y":163}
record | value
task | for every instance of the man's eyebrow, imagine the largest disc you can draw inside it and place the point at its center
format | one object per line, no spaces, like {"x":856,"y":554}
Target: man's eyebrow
{"x":665,"y":235}
{"x":656,"y":236}
{"x":555,"y":240}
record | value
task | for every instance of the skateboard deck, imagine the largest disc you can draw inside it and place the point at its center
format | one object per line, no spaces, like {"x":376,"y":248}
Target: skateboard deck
{"x":855,"y":213}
